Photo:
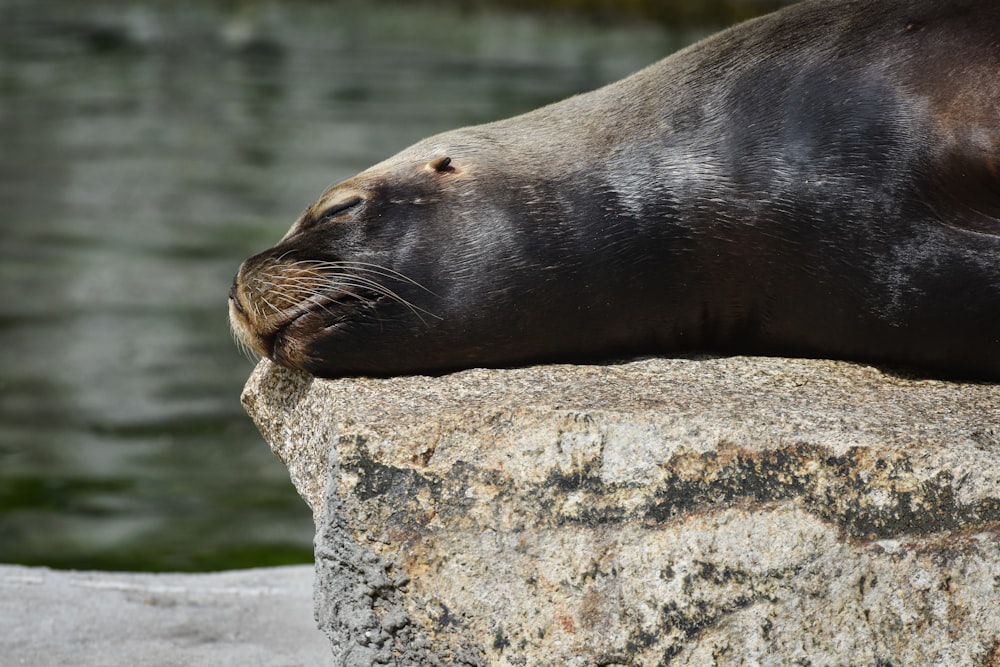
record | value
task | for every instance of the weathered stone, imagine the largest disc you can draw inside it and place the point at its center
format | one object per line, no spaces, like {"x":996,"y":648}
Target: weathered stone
{"x":734,"y":511}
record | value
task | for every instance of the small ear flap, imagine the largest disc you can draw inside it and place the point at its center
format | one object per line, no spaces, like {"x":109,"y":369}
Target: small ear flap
{"x":441,"y":163}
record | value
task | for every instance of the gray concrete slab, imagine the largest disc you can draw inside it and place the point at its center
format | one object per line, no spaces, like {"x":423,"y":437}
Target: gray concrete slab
{"x":251,"y":618}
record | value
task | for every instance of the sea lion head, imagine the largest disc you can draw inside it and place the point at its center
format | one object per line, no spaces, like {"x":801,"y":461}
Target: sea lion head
{"x":358,"y":265}
{"x":401,"y":268}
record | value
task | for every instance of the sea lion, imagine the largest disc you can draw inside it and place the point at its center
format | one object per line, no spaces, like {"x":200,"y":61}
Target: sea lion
{"x":822,"y":181}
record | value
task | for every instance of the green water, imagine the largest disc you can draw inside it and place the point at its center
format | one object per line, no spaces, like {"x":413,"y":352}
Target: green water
{"x":145,"y":150}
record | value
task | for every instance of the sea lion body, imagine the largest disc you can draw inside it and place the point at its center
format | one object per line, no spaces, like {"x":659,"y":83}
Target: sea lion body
{"x":821,"y":181}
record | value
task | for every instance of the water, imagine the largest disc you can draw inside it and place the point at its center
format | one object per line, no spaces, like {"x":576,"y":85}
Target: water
{"x":145,"y":150}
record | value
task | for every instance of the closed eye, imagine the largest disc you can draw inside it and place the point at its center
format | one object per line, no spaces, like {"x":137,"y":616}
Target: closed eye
{"x":337,"y":209}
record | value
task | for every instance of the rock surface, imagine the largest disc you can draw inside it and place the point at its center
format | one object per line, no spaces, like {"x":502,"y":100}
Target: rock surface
{"x":735,"y":511}
{"x":253,"y":618}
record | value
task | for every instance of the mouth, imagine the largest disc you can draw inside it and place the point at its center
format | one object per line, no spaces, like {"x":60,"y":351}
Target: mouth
{"x":296,"y":312}
{"x":284,"y":334}
{"x":242,"y":326}
{"x":236,"y":308}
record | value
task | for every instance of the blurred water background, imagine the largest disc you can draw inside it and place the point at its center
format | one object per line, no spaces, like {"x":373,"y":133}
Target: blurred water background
{"x":145,"y":150}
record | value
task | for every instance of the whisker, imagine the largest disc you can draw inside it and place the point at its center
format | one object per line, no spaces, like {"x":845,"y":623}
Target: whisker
{"x":320,"y":271}
{"x":369,"y":267}
{"x":288,"y":284}
{"x":318,"y":299}
{"x":275,"y":290}
{"x":382,"y":289}
{"x":245,"y":350}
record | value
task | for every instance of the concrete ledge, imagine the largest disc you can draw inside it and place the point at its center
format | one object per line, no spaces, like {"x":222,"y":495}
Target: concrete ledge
{"x":730,"y":511}
{"x":261,"y":617}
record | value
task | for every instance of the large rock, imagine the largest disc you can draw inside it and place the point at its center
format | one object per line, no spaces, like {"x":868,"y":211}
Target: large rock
{"x":686,"y":512}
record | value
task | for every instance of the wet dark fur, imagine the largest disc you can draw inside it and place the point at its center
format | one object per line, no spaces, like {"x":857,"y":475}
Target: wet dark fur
{"x":823,"y":181}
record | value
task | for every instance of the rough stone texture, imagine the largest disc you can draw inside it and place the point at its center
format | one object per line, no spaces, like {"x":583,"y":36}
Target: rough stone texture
{"x":734,"y":511}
